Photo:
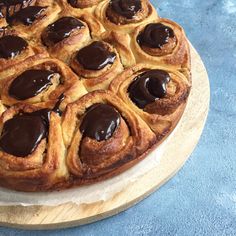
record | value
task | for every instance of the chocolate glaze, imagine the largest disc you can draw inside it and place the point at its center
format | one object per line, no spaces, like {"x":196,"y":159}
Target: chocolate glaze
{"x":10,"y":7}
{"x":12,"y":2}
{"x":148,"y":87}
{"x":155,"y":35}
{"x":56,"y":108}
{"x":30,"y":83}
{"x":100,"y":122}
{"x":45,"y":116}
{"x":73,"y":3}
{"x":126,"y":8}
{"x":27,"y":15}
{"x":95,"y":56}
{"x":11,"y":46}
{"x":22,"y":134}
{"x":60,"y":30}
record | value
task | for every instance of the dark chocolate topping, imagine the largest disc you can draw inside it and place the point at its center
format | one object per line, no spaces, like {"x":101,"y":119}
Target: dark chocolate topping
{"x":22,"y":134}
{"x":10,"y":7}
{"x":12,"y":2}
{"x":30,"y":83}
{"x":148,"y":87}
{"x":45,"y":115}
{"x":56,"y":108}
{"x":27,"y":15}
{"x":11,"y":46}
{"x":95,"y":56}
{"x":61,"y":29}
{"x":126,"y":8}
{"x":73,"y":3}
{"x":155,"y":35}
{"x":100,"y":122}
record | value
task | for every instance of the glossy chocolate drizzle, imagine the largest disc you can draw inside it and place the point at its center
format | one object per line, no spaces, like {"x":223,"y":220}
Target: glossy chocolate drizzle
{"x":126,"y":8}
{"x":73,"y":3}
{"x":27,"y":15}
{"x":60,"y":30}
{"x":148,"y":87}
{"x":100,"y":122}
{"x":22,"y":134}
{"x":11,"y":46}
{"x":10,"y":7}
{"x":30,"y":83}
{"x":1,"y":13}
{"x":155,"y":35}
{"x":96,"y":56}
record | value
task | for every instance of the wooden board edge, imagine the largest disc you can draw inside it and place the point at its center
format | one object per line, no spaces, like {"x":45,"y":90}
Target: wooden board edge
{"x":10,"y":221}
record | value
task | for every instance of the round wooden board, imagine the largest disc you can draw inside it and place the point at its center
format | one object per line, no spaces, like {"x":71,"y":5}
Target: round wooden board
{"x":184,"y":140}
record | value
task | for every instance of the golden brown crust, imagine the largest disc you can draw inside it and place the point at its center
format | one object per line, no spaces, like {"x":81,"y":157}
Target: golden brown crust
{"x":175,"y":54}
{"x":3,"y":22}
{"x":68,"y":158}
{"x":95,"y":26}
{"x":2,"y":108}
{"x":162,"y":114}
{"x":41,"y":169}
{"x":121,"y":42}
{"x":132,"y":138}
{"x":148,"y":14}
{"x":63,"y":82}
{"x":98,"y":79}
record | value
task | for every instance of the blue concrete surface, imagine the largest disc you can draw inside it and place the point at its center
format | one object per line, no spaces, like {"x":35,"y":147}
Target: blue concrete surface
{"x":201,"y":199}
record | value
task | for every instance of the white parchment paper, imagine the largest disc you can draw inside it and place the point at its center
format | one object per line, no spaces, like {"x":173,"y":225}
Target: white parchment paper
{"x":87,"y":194}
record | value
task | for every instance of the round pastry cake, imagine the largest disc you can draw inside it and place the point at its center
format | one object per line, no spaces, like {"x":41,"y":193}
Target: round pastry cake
{"x":88,"y":88}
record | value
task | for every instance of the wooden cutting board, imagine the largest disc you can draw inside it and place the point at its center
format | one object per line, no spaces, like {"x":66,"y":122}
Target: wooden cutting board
{"x":175,"y":153}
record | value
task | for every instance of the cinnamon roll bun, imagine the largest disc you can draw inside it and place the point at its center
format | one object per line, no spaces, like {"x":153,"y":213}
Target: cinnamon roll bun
{"x":31,"y":159}
{"x":32,"y":18}
{"x":162,"y":42}
{"x":157,"y":94}
{"x":64,"y":36}
{"x":99,"y":70}
{"x":103,"y":136}
{"x":42,"y":84}
{"x":125,"y":15}
{"x":102,"y":82}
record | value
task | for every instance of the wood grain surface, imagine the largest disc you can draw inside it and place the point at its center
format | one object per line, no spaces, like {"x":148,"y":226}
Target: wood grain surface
{"x":175,"y":153}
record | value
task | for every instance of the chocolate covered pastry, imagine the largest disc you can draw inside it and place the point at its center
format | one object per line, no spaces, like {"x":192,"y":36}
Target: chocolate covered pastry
{"x":88,"y":89}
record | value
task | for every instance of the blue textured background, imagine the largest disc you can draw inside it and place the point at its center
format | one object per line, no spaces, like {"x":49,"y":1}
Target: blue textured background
{"x":201,"y":199}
